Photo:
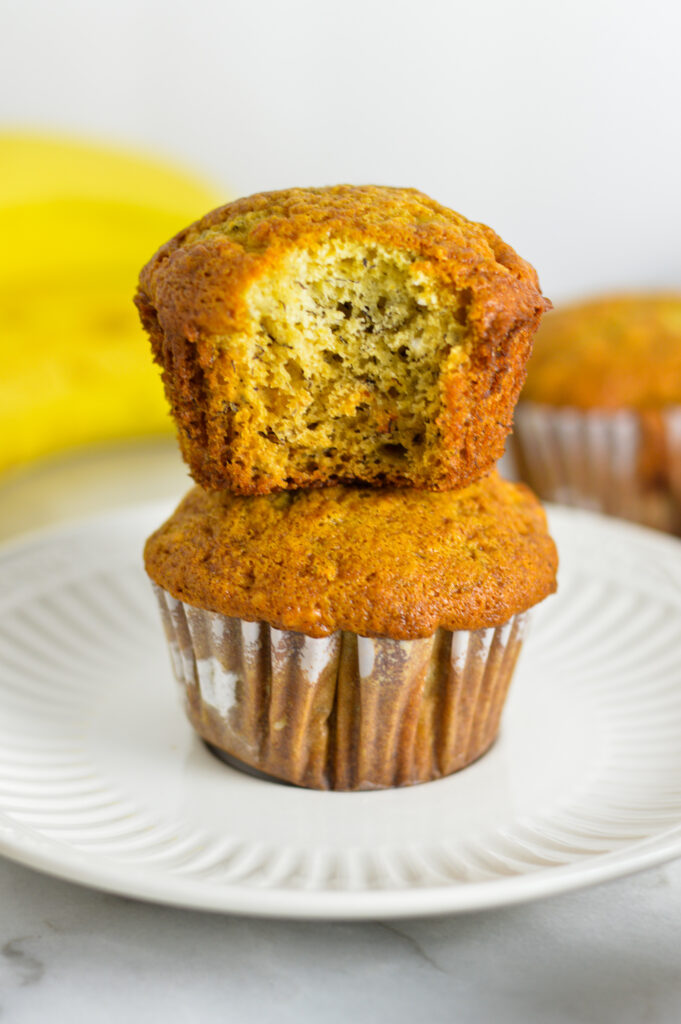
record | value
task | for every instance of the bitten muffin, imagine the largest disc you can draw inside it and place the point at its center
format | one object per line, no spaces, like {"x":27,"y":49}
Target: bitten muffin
{"x":348,"y":638}
{"x":339,"y":335}
{"x":599,"y":423}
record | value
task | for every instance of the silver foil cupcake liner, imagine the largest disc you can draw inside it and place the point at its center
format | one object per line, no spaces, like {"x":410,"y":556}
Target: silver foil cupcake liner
{"x":343,"y":712}
{"x":622,"y":463}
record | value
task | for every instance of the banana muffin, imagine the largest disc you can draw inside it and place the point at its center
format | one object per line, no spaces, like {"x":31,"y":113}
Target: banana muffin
{"x":599,"y":422}
{"x":349,"y":638}
{"x":339,"y":335}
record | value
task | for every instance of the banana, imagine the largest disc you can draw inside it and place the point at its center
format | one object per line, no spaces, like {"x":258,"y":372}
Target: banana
{"x":78,"y":222}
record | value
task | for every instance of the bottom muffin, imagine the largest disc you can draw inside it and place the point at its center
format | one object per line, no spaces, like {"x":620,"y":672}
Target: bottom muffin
{"x":346,"y":638}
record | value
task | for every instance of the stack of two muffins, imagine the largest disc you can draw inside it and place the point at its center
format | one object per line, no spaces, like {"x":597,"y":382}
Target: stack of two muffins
{"x":345,"y":589}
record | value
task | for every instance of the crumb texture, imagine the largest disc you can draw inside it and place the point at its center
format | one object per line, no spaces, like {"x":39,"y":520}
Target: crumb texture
{"x":391,"y":563}
{"x":349,"y":334}
{"x":617,"y":352}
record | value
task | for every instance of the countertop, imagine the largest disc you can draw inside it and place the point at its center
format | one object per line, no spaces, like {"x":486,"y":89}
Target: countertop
{"x":608,"y":955}
{"x":601,"y":955}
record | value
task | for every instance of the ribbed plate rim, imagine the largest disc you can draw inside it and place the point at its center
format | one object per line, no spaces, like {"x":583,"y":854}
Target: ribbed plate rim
{"x":17,"y":842}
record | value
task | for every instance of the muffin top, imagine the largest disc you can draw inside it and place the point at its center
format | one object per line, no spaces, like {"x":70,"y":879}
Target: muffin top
{"x":196,"y":283}
{"x":615,"y":352}
{"x":395,"y":563}
{"x":339,"y":335}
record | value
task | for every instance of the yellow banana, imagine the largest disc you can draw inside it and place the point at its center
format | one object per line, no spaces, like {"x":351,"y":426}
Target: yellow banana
{"x":77,"y":223}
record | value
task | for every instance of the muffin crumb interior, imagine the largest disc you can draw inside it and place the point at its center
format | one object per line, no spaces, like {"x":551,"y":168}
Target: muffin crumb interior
{"x":343,"y":361}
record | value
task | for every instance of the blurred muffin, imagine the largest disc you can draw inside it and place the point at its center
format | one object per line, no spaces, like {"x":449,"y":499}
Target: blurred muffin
{"x":348,"y":638}
{"x":599,"y":422}
{"x":339,"y":335}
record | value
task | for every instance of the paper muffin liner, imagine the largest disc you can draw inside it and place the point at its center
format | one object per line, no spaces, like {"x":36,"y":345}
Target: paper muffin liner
{"x":623,"y":463}
{"x":343,"y":712}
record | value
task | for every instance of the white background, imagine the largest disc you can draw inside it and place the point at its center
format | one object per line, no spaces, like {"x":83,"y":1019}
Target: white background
{"x":556,"y":123}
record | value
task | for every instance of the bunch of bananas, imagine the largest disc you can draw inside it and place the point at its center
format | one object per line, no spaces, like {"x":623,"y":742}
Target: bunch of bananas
{"x":78,"y":222}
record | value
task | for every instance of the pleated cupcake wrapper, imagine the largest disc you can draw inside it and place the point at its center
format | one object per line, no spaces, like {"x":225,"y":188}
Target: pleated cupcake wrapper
{"x":593,"y":459}
{"x":342,"y":712}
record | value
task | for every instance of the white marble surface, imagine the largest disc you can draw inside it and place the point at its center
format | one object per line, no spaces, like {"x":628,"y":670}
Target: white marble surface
{"x":608,"y":955}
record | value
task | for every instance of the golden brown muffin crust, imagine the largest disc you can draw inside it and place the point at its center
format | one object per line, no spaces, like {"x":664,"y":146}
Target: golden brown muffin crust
{"x":196,"y":281}
{"x":393,"y":563}
{"x":194,"y":293}
{"x":615,"y":352}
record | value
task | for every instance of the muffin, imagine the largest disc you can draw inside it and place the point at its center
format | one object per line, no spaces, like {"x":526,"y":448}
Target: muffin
{"x":350,"y":638}
{"x":311,"y":337}
{"x":599,"y":423}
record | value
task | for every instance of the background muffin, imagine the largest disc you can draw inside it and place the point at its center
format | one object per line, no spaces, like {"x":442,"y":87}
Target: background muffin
{"x":349,"y":638}
{"x":347,"y":334}
{"x":599,"y":422}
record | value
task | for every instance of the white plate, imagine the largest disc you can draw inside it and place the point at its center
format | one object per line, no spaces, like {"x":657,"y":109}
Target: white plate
{"x":103,"y":782}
